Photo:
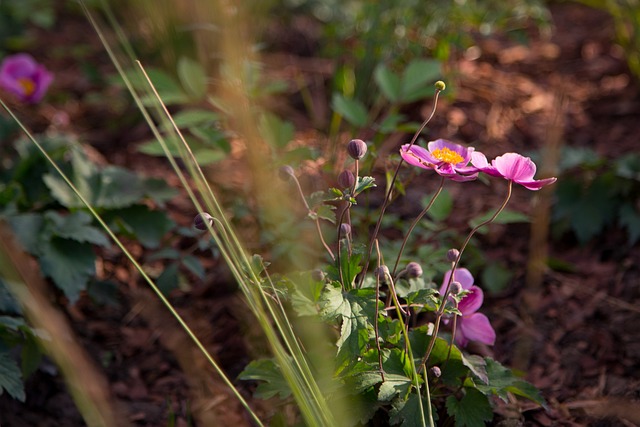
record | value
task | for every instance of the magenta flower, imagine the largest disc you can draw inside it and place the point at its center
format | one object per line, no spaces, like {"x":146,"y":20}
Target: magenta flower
{"x":446,"y":158}
{"x":22,"y":75}
{"x":471,"y":326}
{"x":513,"y":167}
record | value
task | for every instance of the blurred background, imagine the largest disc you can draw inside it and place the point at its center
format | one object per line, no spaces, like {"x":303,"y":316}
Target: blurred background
{"x":262,"y":84}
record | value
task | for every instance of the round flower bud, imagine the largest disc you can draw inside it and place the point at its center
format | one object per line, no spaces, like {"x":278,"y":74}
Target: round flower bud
{"x":435,"y":372}
{"x":453,"y":254}
{"x":382,"y":273}
{"x":317,"y":275}
{"x":455,"y":288}
{"x":346,"y":179}
{"x":345,"y":229}
{"x":414,"y":270}
{"x":357,"y":148}
{"x":201,"y":220}
{"x":440,"y":85}
{"x":286,"y":172}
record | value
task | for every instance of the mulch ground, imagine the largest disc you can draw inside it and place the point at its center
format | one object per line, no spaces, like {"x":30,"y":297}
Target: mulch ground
{"x":575,"y":333}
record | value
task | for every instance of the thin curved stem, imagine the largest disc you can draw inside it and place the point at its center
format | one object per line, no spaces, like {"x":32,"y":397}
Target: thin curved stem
{"x":440,"y":310}
{"x":387,"y":196}
{"x":414,"y":223}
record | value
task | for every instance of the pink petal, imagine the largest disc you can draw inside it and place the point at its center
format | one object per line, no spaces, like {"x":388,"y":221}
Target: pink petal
{"x":479,"y":161}
{"x":476,"y":328}
{"x":471,"y":302}
{"x":535,"y":185}
{"x":463,"y":276}
{"x":417,"y":156}
{"x":515,"y":167}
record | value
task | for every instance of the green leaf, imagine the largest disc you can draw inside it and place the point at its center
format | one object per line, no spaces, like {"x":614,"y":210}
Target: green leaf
{"x":192,"y":77}
{"x":278,"y":133}
{"x":10,"y":377}
{"x":388,"y":82}
{"x":192,"y":117}
{"x":267,"y":371}
{"x":630,"y":219}
{"x":473,"y":410}
{"x":31,"y":355}
{"x":146,"y":225}
{"x":394,"y":385}
{"x":27,"y":228}
{"x":69,"y":263}
{"x":75,"y":226}
{"x":194,"y":265}
{"x":505,"y":217}
{"x":351,"y":109}
{"x":168,"y":279}
{"x":442,"y":206}
{"x":496,"y":277}
{"x":167,"y":87}
{"x":355,"y":310}
{"x":390,"y":123}
{"x":326,"y":212}
{"x":502,"y":381}
{"x":416,"y":79}
{"x":8,"y":303}
{"x":364,"y":183}
{"x":410,"y":412}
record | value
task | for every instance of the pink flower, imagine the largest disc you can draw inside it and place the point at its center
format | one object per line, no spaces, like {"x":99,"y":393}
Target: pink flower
{"x":22,"y":75}
{"x":472,"y":326}
{"x":513,"y":167}
{"x":446,"y":158}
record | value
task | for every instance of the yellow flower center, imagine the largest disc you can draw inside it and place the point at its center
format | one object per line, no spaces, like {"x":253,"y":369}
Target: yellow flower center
{"x":27,"y":85}
{"x":446,"y":155}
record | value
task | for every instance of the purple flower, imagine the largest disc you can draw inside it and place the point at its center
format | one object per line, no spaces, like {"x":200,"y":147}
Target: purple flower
{"x":513,"y":167}
{"x":446,"y":158}
{"x":472,"y":326}
{"x":22,"y":75}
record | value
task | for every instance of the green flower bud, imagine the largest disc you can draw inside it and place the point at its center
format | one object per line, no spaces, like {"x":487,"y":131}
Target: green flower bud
{"x":440,"y":85}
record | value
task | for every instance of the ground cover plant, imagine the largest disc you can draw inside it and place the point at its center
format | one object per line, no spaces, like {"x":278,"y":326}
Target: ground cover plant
{"x":378,"y":301}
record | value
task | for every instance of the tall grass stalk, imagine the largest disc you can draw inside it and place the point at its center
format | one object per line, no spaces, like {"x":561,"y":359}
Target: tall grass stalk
{"x":269,"y":312}
{"x":135,"y":263}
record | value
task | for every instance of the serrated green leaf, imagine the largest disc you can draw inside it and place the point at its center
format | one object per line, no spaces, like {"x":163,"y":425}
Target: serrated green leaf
{"x":146,"y":225}
{"x":388,"y":82}
{"x":27,"y":228}
{"x":192,"y":77}
{"x":502,"y":381}
{"x":411,"y":412}
{"x":473,"y":410}
{"x":267,"y":371}
{"x":326,"y":212}
{"x":477,"y":365}
{"x":364,"y":183}
{"x":68,"y":263}
{"x":427,"y":297}
{"x":75,"y":226}
{"x":10,"y":377}
{"x":392,"y":386}
{"x":351,"y":109}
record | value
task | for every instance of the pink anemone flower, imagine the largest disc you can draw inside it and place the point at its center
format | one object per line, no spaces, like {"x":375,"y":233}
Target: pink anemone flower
{"x":21,"y":75}
{"x":471,"y":326}
{"x":513,"y":167}
{"x":446,"y":158}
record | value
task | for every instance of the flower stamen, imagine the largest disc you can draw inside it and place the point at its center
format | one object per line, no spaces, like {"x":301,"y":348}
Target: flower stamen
{"x":447,"y":155}
{"x":27,"y":85}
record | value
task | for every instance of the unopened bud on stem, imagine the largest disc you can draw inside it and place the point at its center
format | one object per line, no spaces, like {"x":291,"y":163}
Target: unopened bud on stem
{"x":382,"y":273}
{"x":286,"y":172}
{"x":453,"y":254}
{"x":357,"y":148}
{"x":201,"y":220}
{"x":413,"y":270}
{"x":455,"y":288}
{"x":440,"y":85}
{"x":346,"y":179}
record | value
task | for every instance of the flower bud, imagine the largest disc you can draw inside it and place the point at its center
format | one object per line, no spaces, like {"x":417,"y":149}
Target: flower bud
{"x":345,"y":229}
{"x":357,"y":148}
{"x":414,"y":270}
{"x":435,"y":372}
{"x":201,"y":220}
{"x":440,"y":85}
{"x":382,"y":273}
{"x":317,"y":275}
{"x":286,"y":172}
{"x":455,"y":288}
{"x":346,"y":179}
{"x":453,"y":254}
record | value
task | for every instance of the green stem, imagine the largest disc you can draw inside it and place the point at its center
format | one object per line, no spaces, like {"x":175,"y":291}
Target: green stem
{"x":440,"y":310}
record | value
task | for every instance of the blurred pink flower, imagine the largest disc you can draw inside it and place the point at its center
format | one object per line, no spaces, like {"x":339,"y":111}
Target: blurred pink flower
{"x":472,"y":326}
{"x":513,"y":167}
{"x":21,"y":75}
{"x":446,"y":158}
